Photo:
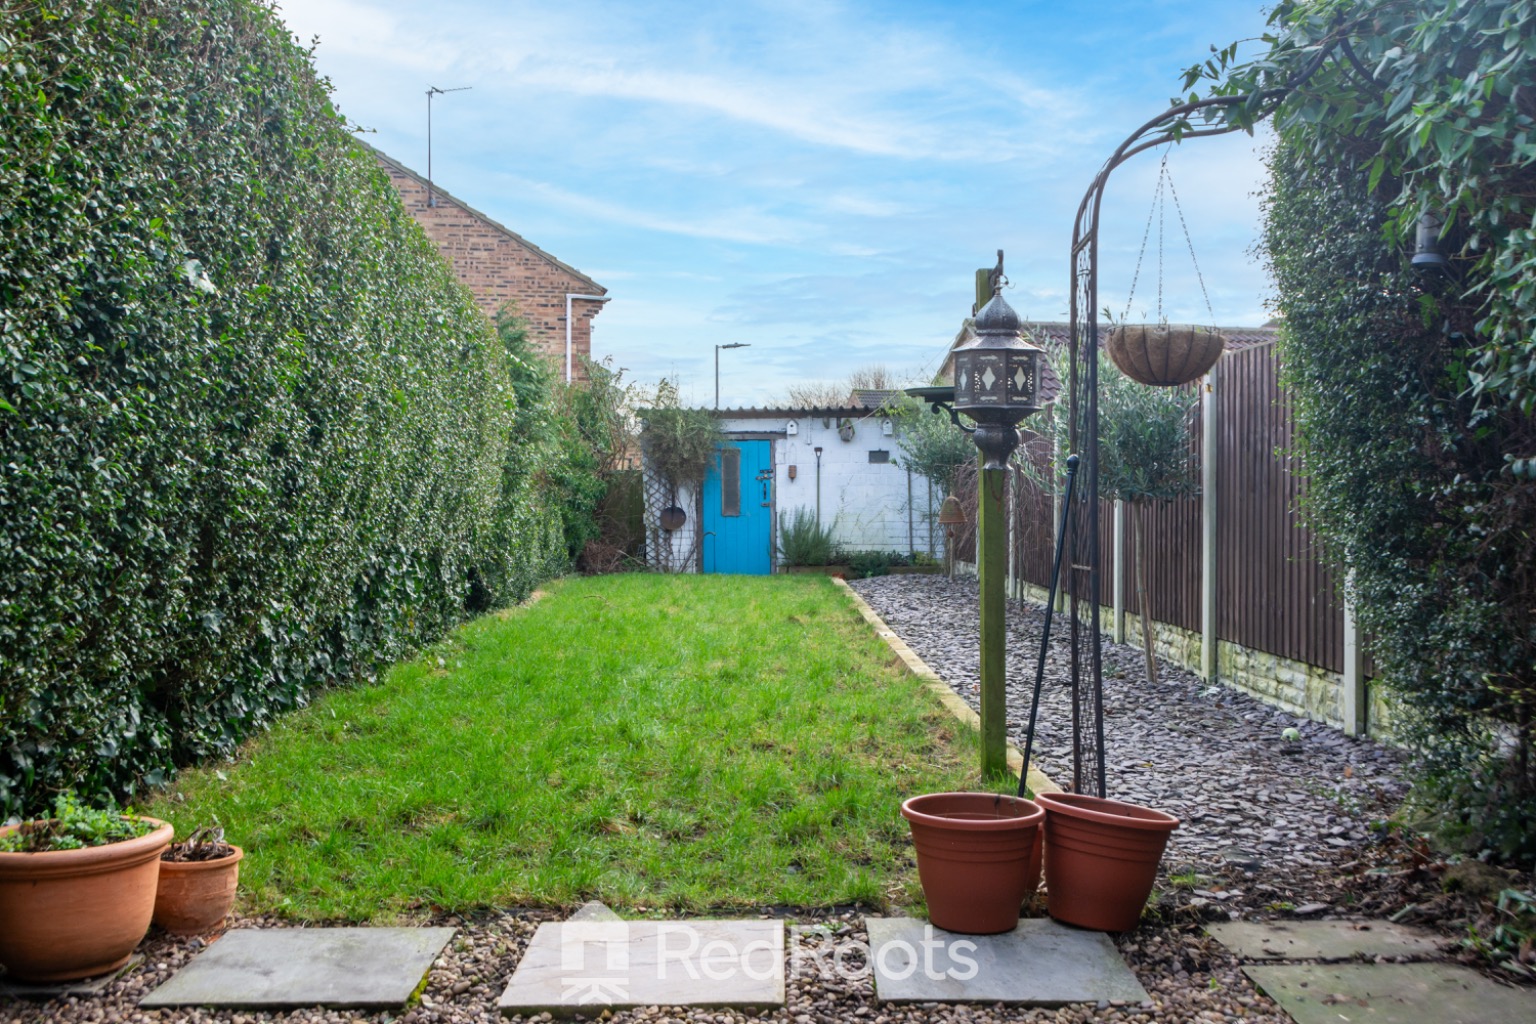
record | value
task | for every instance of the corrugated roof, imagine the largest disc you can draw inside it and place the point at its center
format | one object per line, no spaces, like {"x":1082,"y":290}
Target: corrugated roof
{"x":783,"y":412}
{"x":439,"y":191}
{"x":872,"y":398}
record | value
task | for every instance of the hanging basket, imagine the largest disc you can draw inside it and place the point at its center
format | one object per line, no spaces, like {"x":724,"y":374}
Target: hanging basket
{"x":1163,"y":355}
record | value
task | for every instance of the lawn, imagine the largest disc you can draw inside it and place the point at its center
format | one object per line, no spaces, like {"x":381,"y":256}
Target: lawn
{"x":662,"y":743}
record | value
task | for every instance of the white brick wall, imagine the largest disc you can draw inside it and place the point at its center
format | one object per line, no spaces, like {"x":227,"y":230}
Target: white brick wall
{"x":865,"y":503}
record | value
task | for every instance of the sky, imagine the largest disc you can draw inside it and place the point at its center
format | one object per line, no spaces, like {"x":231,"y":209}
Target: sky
{"x":816,"y":179}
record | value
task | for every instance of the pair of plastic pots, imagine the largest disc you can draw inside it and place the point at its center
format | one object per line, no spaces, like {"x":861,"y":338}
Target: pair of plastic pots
{"x":979,"y":856}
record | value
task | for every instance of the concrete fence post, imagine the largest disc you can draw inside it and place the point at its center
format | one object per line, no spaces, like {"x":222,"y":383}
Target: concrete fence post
{"x":1354,"y":695}
{"x":1209,"y":458}
{"x":1118,"y":583}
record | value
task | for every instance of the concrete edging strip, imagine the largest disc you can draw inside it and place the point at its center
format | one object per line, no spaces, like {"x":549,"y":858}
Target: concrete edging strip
{"x":1038,"y":782}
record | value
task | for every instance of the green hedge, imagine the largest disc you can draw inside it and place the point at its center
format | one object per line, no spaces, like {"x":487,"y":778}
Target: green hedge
{"x":254,"y":438}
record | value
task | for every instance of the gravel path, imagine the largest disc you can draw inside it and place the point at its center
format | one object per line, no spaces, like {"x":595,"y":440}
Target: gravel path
{"x":1264,"y":831}
{"x":1285,"y":815}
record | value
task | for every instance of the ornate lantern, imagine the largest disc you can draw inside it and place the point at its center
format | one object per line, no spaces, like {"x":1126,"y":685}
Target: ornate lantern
{"x":997,"y":381}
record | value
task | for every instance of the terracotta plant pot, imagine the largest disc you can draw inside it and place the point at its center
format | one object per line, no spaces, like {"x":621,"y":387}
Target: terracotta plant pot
{"x":77,"y":913}
{"x":1101,"y":859}
{"x":978,"y":855}
{"x":195,"y":896}
{"x":1161,"y":355}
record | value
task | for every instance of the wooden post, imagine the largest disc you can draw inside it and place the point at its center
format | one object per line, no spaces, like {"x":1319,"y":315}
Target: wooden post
{"x":1209,"y":456}
{"x":992,"y":567}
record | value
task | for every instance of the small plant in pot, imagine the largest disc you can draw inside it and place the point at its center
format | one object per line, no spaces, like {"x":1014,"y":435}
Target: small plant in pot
{"x":198,"y":879}
{"x":77,"y":890}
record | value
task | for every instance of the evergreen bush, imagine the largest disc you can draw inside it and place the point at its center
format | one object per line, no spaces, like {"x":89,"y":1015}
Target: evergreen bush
{"x":254,"y":438}
{"x":1415,"y":396}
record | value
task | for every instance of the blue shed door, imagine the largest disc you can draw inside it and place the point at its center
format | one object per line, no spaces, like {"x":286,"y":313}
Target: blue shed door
{"x":738,"y":509}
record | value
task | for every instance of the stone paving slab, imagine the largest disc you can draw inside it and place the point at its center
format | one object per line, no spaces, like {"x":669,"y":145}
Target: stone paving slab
{"x":596,"y":963}
{"x":1039,"y":963}
{"x":1392,"y":994}
{"x":1324,"y":940}
{"x":56,"y":989}
{"x":292,"y":968}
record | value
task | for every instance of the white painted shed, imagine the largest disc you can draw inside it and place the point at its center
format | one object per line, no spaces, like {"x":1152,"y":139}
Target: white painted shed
{"x":840,"y":463}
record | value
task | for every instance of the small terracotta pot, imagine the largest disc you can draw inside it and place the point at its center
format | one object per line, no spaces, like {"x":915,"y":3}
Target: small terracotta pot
{"x":195,"y":896}
{"x":77,"y":913}
{"x":1101,"y":859}
{"x":1163,"y":355}
{"x":978,"y":856}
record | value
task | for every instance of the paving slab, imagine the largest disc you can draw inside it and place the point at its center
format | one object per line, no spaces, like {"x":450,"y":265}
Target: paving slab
{"x":44,"y":991}
{"x":1324,"y":940}
{"x":1392,"y":994}
{"x":293,"y":968}
{"x":586,"y":966}
{"x":1039,"y":963}
{"x":594,"y":910}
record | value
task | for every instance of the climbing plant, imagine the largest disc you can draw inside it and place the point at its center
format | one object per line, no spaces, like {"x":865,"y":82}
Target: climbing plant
{"x":1414,"y":395}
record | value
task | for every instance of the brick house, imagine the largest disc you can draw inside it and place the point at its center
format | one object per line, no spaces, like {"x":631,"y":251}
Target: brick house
{"x":498,"y":266}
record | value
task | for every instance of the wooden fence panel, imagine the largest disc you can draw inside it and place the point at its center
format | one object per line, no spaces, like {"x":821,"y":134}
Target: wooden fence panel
{"x":1274,"y":593}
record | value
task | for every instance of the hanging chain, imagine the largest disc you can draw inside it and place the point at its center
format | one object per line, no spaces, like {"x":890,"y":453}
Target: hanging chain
{"x":1157,"y":199}
{"x":1157,"y":212}
{"x":1162,"y":237}
{"x":1189,"y":240}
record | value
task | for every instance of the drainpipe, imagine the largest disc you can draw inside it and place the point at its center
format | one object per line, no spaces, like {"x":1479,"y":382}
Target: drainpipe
{"x":818,"y":487}
{"x":568,"y":297}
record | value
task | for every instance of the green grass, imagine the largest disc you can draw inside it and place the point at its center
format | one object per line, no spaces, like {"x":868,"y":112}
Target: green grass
{"x":661,"y":743}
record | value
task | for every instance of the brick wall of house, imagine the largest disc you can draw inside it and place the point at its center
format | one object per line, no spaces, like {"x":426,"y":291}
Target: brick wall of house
{"x":499,"y":267}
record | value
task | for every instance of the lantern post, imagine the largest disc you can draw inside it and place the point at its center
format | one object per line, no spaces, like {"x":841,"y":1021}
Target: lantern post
{"x":997,"y":384}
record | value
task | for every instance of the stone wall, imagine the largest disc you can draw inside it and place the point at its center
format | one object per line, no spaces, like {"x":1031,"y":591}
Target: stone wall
{"x":499,"y":266}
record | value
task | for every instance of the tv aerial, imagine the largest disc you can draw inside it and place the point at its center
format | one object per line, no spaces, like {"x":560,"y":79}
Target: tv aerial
{"x":433,"y":90}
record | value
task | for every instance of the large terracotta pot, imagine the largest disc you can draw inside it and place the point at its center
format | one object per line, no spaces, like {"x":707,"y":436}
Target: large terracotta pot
{"x":195,"y":896}
{"x":1101,"y":859}
{"x":978,"y":856}
{"x":77,"y":913}
{"x":1161,"y":355}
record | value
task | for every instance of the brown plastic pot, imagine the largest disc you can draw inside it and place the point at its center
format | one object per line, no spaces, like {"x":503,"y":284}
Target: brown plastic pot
{"x":978,"y":856}
{"x":77,"y":913}
{"x":1101,"y":859}
{"x":195,"y":896}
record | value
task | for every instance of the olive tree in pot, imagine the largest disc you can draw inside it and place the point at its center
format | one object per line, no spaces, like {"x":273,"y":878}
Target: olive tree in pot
{"x":77,"y":890}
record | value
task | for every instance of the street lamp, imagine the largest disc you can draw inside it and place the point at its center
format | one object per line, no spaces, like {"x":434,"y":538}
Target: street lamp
{"x":734,"y":344}
{"x":997,"y":384}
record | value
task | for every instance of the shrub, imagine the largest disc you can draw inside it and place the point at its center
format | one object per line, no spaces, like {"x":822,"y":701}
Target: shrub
{"x":73,"y":826}
{"x":804,"y":541}
{"x":254,"y":438}
{"x":1408,"y":489}
{"x":1415,"y":400}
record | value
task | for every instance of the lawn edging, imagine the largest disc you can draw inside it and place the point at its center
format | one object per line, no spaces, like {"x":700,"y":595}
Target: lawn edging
{"x":1038,"y":781}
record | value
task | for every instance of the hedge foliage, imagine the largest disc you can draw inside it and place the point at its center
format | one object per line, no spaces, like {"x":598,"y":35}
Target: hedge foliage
{"x":1414,"y":396}
{"x":254,"y":438}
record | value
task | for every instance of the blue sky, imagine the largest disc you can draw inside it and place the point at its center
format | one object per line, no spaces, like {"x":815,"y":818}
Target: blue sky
{"x":817,"y":179}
